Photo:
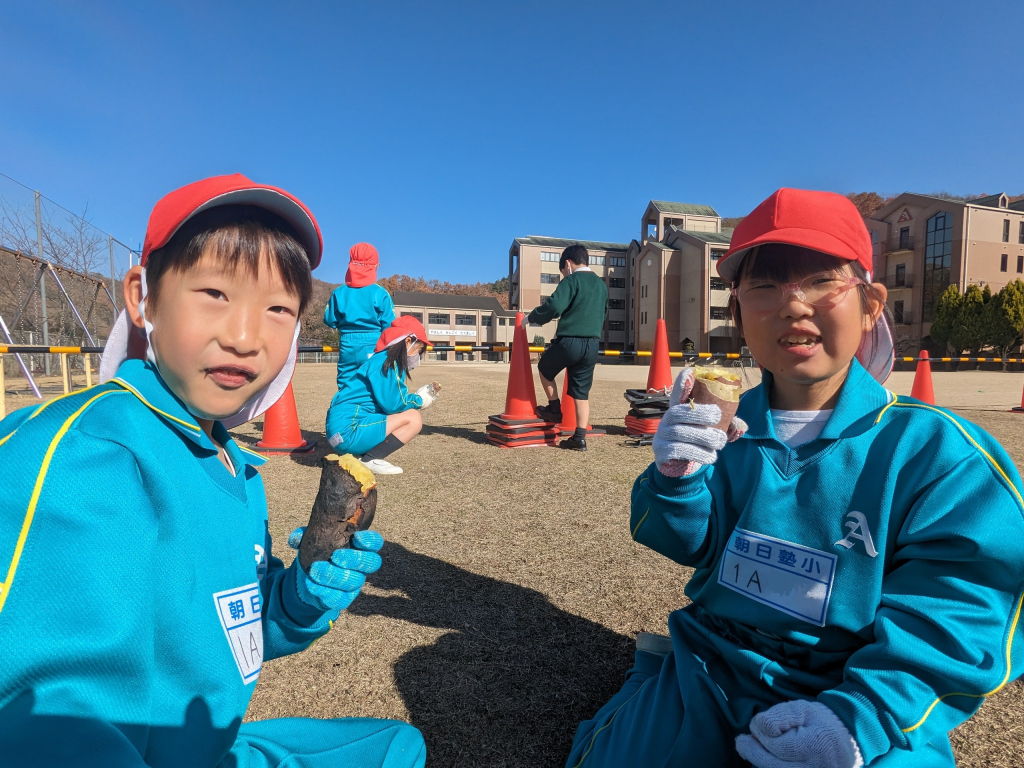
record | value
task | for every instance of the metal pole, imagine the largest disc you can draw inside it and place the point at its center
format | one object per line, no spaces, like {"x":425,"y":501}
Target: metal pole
{"x":42,"y":283}
{"x":113,"y":279}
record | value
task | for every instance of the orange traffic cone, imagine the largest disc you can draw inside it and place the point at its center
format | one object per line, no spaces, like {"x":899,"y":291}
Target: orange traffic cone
{"x":281,"y":432}
{"x":659,"y":379}
{"x":1019,"y":409}
{"x":922,"y":389}
{"x":568,"y":425}
{"x":521,"y":396}
{"x":519,"y":425}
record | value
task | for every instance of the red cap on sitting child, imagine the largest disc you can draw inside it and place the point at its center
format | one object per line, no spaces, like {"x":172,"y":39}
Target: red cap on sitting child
{"x":402,"y":327}
{"x":824,"y":222}
{"x":362,"y":266}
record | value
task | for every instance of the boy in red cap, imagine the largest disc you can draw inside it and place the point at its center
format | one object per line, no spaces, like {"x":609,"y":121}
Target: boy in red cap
{"x":360,"y":310}
{"x":850,"y":606}
{"x":373,"y":413}
{"x":140,"y":593}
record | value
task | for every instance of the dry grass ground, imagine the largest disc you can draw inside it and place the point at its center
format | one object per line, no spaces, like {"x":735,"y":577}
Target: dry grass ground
{"x":511,"y":593}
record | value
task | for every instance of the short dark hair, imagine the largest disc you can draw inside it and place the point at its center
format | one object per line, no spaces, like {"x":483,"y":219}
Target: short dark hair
{"x":577,"y":254}
{"x":239,"y":236}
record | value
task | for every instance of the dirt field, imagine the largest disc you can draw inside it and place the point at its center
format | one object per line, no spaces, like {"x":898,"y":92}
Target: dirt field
{"x":511,"y":593}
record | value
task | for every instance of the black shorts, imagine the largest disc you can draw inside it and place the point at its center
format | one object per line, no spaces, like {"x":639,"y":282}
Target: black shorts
{"x":577,"y":356}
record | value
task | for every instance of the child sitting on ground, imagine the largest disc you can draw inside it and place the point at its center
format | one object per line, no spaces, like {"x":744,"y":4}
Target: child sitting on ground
{"x":360,"y":309}
{"x":141,"y":593}
{"x":373,"y":413}
{"x":859,"y":556}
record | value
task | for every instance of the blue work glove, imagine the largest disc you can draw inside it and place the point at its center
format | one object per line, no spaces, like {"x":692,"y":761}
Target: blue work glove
{"x":799,"y":734}
{"x":333,"y":585}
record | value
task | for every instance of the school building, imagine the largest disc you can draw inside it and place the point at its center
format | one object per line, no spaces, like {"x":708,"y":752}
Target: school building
{"x":667,"y":273}
{"x":923,"y":244}
{"x":458,"y":320}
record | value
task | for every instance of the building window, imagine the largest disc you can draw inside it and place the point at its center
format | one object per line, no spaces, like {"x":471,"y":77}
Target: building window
{"x":937,"y":255}
{"x":643,"y":318}
{"x":718,"y":284}
{"x":901,"y":274}
{"x":643,"y":291}
{"x":438,"y":319}
{"x":617,"y":261}
{"x":616,"y":303}
{"x":550,"y":256}
{"x":1006,"y":230}
{"x":501,"y":321}
{"x":616,"y":325}
{"x":904,"y":238}
{"x":546,"y":278}
{"x":417,"y":315}
{"x":465,"y":319}
{"x":1002,"y":262}
{"x":596,"y":261}
{"x":1020,"y":235}
{"x":485,"y":321}
{"x":716,"y":255}
{"x":616,"y":282}
{"x":1020,"y":264}
{"x":897,"y":312}
{"x":719,"y":313}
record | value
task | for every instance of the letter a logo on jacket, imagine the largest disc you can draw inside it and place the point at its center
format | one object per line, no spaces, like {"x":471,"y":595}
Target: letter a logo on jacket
{"x":857,"y":528}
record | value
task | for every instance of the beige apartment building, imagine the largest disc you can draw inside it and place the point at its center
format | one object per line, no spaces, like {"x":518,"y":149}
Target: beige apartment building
{"x":923,"y":244}
{"x":668,"y":267}
{"x":534,"y":275}
{"x":458,"y":320}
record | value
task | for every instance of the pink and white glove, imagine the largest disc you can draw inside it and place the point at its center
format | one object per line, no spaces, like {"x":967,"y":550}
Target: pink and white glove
{"x":686,"y":437}
{"x":799,"y":734}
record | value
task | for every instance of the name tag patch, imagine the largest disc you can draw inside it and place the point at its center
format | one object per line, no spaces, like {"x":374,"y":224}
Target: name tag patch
{"x":241,"y":615}
{"x":788,"y":577}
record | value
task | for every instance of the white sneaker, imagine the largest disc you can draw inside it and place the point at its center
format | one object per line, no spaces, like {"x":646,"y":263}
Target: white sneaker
{"x":381,"y":467}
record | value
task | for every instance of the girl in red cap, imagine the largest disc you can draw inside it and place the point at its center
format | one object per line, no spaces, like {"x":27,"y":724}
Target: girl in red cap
{"x":360,"y":309}
{"x":373,"y":413}
{"x":858,"y":557}
{"x":141,"y":593}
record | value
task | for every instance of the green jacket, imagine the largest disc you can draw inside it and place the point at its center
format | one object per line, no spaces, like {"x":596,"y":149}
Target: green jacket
{"x":580,"y":300}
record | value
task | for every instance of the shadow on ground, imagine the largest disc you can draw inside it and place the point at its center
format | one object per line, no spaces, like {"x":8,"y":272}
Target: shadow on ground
{"x":510,"y":682}
{"x":473,"y":432}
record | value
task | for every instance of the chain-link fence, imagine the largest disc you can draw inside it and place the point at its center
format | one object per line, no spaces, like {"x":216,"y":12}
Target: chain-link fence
{"x":59,"y":279}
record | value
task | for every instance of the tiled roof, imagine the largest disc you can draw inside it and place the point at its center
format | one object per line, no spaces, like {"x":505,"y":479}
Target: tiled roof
{"x":685,"y":208}
{"x":1017,"y":205}
{"x":558,"y":242}
{"x":716,"y":238}
{"x":445,"y":301}
{"x":992,"y":201}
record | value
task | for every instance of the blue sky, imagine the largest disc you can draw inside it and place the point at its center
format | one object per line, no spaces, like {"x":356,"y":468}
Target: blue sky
{"x":441,"y":131}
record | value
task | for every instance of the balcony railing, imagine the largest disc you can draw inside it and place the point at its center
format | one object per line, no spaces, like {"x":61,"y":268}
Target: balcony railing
{"x":901,"y":244}
{"x":896,"y":282}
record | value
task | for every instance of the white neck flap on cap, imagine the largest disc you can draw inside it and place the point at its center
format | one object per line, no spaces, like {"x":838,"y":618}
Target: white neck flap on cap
{"x":115,"y":352}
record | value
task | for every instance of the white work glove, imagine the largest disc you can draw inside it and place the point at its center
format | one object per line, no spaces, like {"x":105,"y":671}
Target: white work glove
{"x":525,"y":322}
{"x":425,"y":396}
{"x":686,"y":438}
{"x":799,"y":734}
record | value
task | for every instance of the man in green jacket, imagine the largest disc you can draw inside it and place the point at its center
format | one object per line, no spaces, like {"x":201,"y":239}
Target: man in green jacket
{"x":581,"y":301}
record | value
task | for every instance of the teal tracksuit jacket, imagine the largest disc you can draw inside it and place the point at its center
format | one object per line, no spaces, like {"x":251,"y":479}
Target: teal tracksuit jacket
{"x":878,"y":569}
{"x":360,"y":315}
{"x":140,"y":594}
{"x":357,"y":417}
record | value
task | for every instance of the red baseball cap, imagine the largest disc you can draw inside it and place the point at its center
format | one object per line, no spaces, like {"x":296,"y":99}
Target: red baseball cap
{"x":177,"y":207}
{"x":406,"y":325}
{"x":821,"y":221}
